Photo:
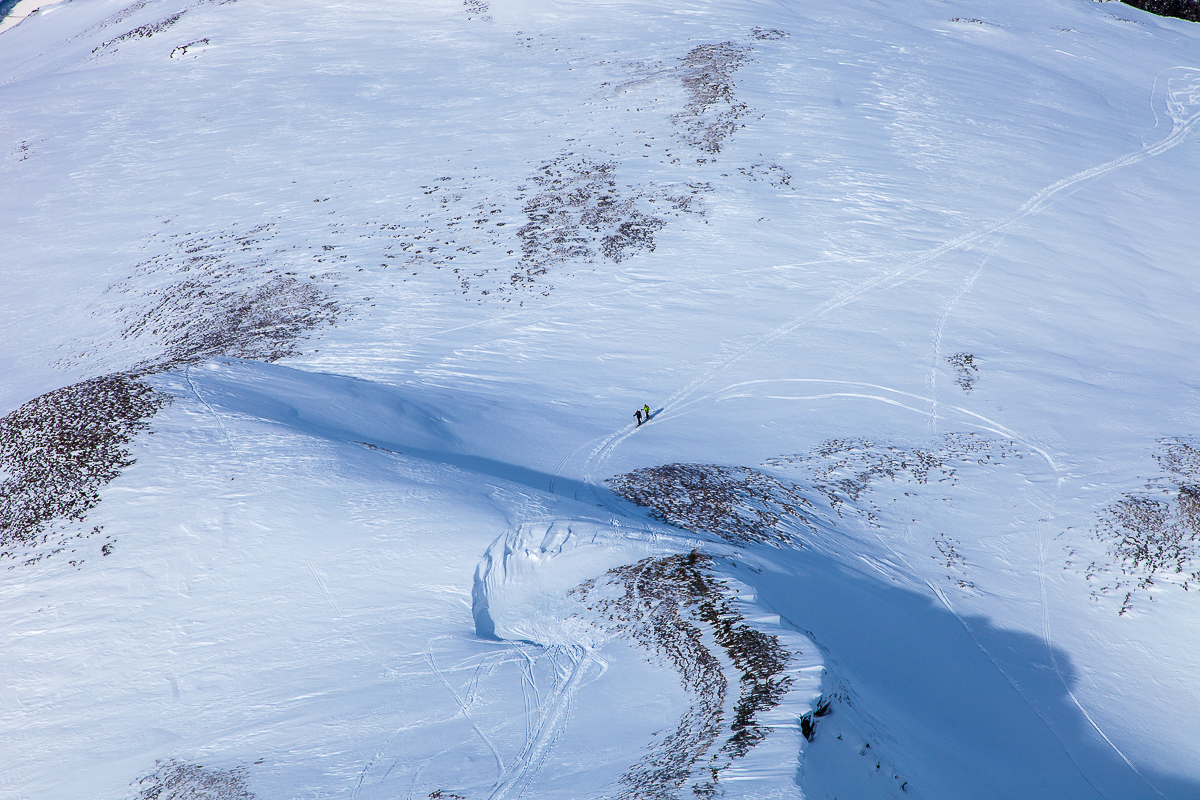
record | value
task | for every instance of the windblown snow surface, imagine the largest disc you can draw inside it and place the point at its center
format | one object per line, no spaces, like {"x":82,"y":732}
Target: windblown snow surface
{"x":323,"y":328}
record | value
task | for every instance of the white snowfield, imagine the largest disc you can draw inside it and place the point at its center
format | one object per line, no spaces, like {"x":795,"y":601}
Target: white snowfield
{"x":910,"y":288}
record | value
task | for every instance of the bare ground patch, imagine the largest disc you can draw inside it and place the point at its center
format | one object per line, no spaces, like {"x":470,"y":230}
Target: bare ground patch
{"x":744,"y":505}
{"x":845,"y":471}
{"x":228,"y":294}
{"x":1152,"y":537}
{"x":140,"y":32}
{"x":59,"y":450}
{"x":739,"y":504}
{"x":178,"y":780}
{"x":666,"y":605}
{"x":574,"y":211}
{"x":208,"y":295}
{"x":713,"y":112}
{"x":477,"y":9}
{"x":1183,"y":9}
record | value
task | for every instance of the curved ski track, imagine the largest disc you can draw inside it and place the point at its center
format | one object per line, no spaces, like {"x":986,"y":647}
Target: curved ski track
{"x":1177,"y":89}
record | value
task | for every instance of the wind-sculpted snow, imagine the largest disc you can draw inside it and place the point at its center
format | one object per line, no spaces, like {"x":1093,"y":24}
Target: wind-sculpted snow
{"x":671,"y":606}
{"x":59,"y":450}
{"x":812,"y":238}
{"x":177,"y":780}
{"x":1153,"y":538}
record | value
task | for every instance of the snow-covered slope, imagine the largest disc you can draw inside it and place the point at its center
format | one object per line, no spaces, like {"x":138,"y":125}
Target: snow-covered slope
{"x":324,"y":325}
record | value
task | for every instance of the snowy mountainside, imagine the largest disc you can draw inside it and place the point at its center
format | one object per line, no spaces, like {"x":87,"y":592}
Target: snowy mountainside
{"x":324,"y":329}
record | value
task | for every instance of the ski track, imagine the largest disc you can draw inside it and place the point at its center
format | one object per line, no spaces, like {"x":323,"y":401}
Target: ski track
{"x":462,"y":706}
{"x":187,"y":374}
{"x":1182,"y":125}
{"x":547,"y":714}
{"x":349,"y":628}
{"x":1184,"y":115}
{"x":362,"y":775}
{"x":571,"y":663}
{"x":554,"y":713}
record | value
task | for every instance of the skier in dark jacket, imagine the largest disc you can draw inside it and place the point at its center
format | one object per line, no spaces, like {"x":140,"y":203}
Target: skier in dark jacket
{"x":638,"y":414}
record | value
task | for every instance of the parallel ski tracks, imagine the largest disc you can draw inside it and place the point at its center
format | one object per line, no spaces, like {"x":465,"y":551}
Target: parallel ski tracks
{"x":571,"y":663}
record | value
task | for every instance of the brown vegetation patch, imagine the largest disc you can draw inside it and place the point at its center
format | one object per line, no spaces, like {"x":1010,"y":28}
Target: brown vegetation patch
{"x":964,"y":364}
{"x":713,"y":111}
{"x":58,"y":450}
{"x":744,"y":505}
{"x":768,"y":34}
{"x":773,"y":174}
{"x":1182,"y":9}
{"x":477,"y":9}
{"x":738,"y":504}
{"x":177,"y":780}
{"x":579,"y":211}
{"x":574,"y":211}
{"x":222,"y":297}
{"x":844,"y":470}
{"x":140,"y":32}
{"x":1152,"y":537}
{"x":661,"y":603}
